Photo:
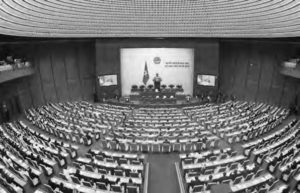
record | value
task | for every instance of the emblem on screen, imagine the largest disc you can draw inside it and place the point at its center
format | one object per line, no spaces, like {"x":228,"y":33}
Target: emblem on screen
{"x":157,"y":60}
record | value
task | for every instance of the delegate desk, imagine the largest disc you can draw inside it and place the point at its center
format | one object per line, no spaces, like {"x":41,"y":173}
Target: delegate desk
{"x":78,"y":187}
{"x":110,"y":165}
{"x":111,"y":178}
{"x":244,"y":185}
{"x":213,"y":163}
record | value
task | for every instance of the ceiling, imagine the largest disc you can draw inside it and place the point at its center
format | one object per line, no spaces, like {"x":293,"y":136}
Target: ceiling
{"x":150,"y":18}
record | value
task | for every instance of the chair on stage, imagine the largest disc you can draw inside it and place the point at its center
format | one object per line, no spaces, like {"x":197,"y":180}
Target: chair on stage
{"x":150,"y":86}
{"x":142,"y":87}
{"x":134,"y":88}
{"x":179,"y":88}
{"x":171,"y":86}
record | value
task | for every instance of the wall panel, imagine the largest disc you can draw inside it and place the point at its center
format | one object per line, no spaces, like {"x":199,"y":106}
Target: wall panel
{"x":59,"y":73}
{"x":86,"y":67}
{"x":250,"y":70}
{"x":64,"y":71}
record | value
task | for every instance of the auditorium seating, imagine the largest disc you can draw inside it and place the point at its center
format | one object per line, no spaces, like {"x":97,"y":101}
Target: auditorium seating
{"x":101,"y":171}
{"x":159,"y":130}
{"x":27,"y":155}
{"x":267,"y":160}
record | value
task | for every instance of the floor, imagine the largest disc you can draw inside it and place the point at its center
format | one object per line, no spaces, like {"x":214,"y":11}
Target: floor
{"x":162,"y":173}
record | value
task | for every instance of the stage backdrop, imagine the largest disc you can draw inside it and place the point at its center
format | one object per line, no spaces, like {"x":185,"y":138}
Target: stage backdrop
{"x":174,"y":65}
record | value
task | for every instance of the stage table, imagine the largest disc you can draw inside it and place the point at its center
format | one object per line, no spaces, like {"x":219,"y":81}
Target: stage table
{"x":163,"y":96}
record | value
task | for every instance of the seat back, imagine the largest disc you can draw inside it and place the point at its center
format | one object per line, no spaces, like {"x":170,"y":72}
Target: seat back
{"x":118,"y":172}
{"x":101,"y":186}
{"x":48,"y":188}
{"x":198,"y":188}
{"x":116,"y":188}
{"x":132,"y":189}
{"x":75,"y":180}
{"x":87,"y":184}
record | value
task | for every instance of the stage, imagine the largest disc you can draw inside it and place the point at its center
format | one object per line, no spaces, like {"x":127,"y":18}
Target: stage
{"x":158,"y":103}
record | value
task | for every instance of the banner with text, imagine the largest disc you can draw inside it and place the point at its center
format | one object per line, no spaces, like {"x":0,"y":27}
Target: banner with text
{"x":140,"y":65}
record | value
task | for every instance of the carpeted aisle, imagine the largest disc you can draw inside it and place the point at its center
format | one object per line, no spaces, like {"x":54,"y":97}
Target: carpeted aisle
{"x":162,"y":173}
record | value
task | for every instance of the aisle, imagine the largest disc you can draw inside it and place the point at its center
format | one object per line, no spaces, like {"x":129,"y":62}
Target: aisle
{"x":162,"y":173}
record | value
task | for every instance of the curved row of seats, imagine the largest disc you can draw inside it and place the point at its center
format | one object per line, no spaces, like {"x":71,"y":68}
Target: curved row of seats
{"x":205,"y":170}
{"x":239,"y":121}
{"x":69,"y":126}
{"x":150,"y":129}
{"x":123,"y":128}
{"x":26,"y":156}
{"x":164,"y":129}
{"x":101,"y":171}
{"x":81,"y":18}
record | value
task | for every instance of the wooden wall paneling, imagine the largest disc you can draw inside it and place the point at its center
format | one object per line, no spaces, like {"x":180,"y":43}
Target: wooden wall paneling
{"x":228,"y":62}
{"x":35,"y":81}
{"x":254,"y":72}
{"x":266,"y":73}
{"x":46,"y":73}
{"x":241,"y":72}
{"x":85,"y":57}
{"x":262,"y":80}
{"x":289,"y":91}
{"x":64,"y":70}
{"x":297,"y":97}
{"x":88,"y":89}
{"x":59,"y":72}
{"x":92,"y":69}
{"x":22,"y":97}
{"x":281,"y":53}
{"x":197,"y":70}
{"x":72,"y":73}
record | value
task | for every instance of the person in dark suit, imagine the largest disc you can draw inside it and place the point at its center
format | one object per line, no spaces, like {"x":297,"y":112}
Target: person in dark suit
{"x":104,"y":180}
{"x":156,"y":80}
{"x":195,"y":182}
{"x":77,"y":173}
{"x":5,"y":113}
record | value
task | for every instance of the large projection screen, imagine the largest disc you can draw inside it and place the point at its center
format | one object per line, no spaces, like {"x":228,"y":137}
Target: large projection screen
{"x":174,"y":65}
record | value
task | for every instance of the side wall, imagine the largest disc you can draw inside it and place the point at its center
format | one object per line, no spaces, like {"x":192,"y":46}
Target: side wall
{"x":250,"y":70}
{"x":64,"y":71}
